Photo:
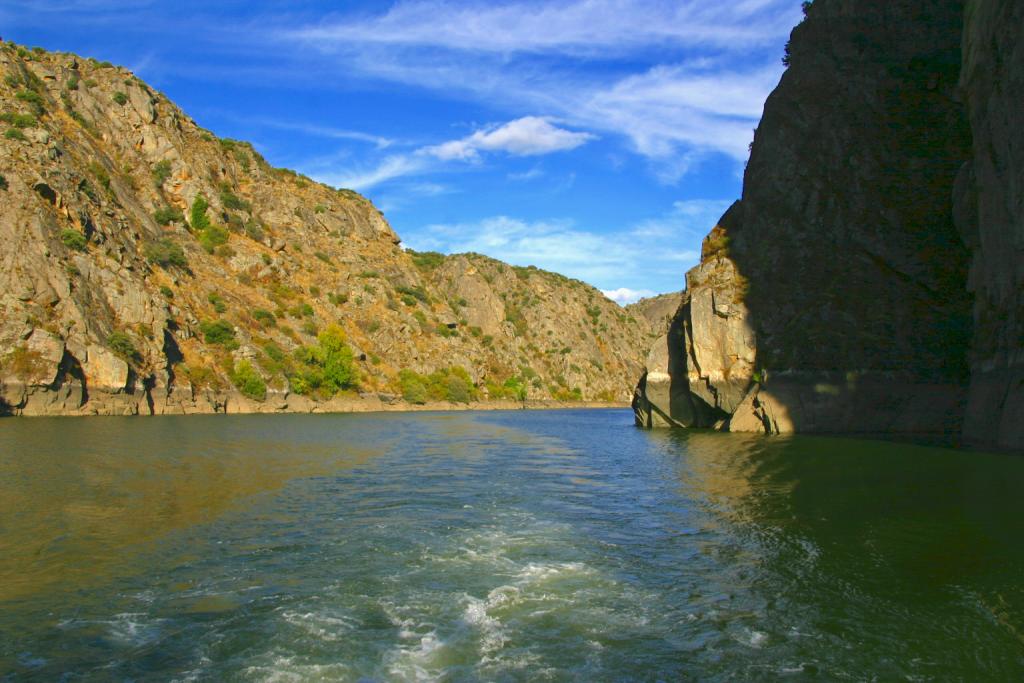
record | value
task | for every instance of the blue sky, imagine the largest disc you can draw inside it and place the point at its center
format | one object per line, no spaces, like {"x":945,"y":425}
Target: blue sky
{"x":597,"y":138}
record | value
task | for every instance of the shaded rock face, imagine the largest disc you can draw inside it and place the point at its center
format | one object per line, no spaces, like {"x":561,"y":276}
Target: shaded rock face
{"x":990,"y":213}
{"x":849,"y":306}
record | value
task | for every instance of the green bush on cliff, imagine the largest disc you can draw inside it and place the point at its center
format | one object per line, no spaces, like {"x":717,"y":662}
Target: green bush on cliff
{"x":166,"y":215}
{"x":325,"y":368}
{"x":122,"y":345}
{"x":245,"y":378}
{"x":166,"y":252}
{"x":120,"y":98}
{"x":34,"y":100}
{"x":73,"y":239}
{"x":212,"y":237}
{"x":219,"y":332}
{"x":198,"y":220}
{"x":15,"y":134}
{"x":161,"y":172}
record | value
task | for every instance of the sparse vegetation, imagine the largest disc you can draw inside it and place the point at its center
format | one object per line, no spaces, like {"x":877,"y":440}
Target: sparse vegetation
{"x":15,"y":134}
{"x":219,"y":332}
{"x":33,"y":100}
{"x":232,"y":201}
{"x":161,"y":172}
{"x":166,"y":252}
{"x":166,"y":215}
{"x":122,"y":345}
{"x":73,"y":239}
{"x":120,"y":98}
{"x":217,"y":301}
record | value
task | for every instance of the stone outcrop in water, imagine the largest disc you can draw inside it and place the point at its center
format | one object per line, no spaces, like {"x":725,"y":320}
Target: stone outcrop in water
{"x":148,"y":266}
{"x":835,"y":296}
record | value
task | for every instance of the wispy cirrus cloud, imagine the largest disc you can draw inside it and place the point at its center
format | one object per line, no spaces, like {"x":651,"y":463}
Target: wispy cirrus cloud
{"x":674,"y":113}
{"x":583,"y":27}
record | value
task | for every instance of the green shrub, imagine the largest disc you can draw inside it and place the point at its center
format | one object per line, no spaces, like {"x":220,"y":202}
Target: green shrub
{"x":73,"y":82}
{"x":34,"y":100}
{"x":426,"y":260}
{"x":166,"y":215}
{"x":219,"y":332}
{"x":245,"y":378}
{"x":414,"y":388}
{"x":319,"y":208}
{"x":232,"y":201}
{"x":327,"y":367}
{"x":19,"y":120}
{"x":166,"y":252}
{"x":212,"y":237}
{"x":254,"y":231}
{"x":100,"y":172}
{"x":122,"y":345}
{"x":73,"y":239}
{"x":447,"y":384}
{"x":198,"y":220}
{"x":12,"y":81}
{"x":161,"y":172}
{"x":217,"y":301}
{"x":90,"y":83}
{"x":3,"y":182}
{"x":167,"y":291}
{"x":264,"y":317}
{"x":120,"y":98}
{"x":15,"y":134}
{"x":417,"y":293}
{"x":322,"y":256}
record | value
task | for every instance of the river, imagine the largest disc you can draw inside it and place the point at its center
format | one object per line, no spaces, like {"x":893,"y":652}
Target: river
{"x":494,"y":546}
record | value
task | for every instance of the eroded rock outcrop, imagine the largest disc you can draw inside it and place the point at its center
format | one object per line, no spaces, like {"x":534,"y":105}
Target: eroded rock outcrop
{"x":852,"y":272}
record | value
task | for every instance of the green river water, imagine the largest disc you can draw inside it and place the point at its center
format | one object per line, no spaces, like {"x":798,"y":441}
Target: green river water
{"x":499,"y":546}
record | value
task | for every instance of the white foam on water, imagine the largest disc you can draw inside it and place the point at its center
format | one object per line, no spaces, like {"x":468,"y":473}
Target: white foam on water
{"x":285,"y":669}
{"x":416,"y":662}
{"x":322,"y":626}
{"x":752,"y":638}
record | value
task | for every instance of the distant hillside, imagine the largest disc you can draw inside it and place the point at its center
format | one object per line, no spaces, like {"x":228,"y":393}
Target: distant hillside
{"x":148,"y":266}
{"x":656,"y":310}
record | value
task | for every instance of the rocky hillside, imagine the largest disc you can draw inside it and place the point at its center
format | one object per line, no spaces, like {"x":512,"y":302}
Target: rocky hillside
{"x":839,"y":294}
{"x":656,"y":310}
{"x":148,"y":266}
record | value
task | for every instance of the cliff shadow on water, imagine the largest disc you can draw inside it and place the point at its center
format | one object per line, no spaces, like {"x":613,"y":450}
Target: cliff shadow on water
{"x":835,"y":296}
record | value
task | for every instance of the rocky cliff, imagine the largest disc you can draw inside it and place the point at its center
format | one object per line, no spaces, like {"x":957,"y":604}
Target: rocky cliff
{"x":990,"y":213}
{"x":835,"y":295}
{"x":148,"y":266}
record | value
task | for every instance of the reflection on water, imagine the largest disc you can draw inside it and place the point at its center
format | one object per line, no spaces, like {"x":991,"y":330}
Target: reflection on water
{"x":80,"y":497}
{"x":559,"y":545}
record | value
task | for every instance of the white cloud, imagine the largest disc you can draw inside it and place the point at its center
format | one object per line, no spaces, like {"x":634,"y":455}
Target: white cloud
{"x":674,"y":112}
{"x":577,"y":27}
{"x":394,"y":166}
{"x":527,"y":136}
{"x":625,"y":295}
{"x":651,"y":256}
